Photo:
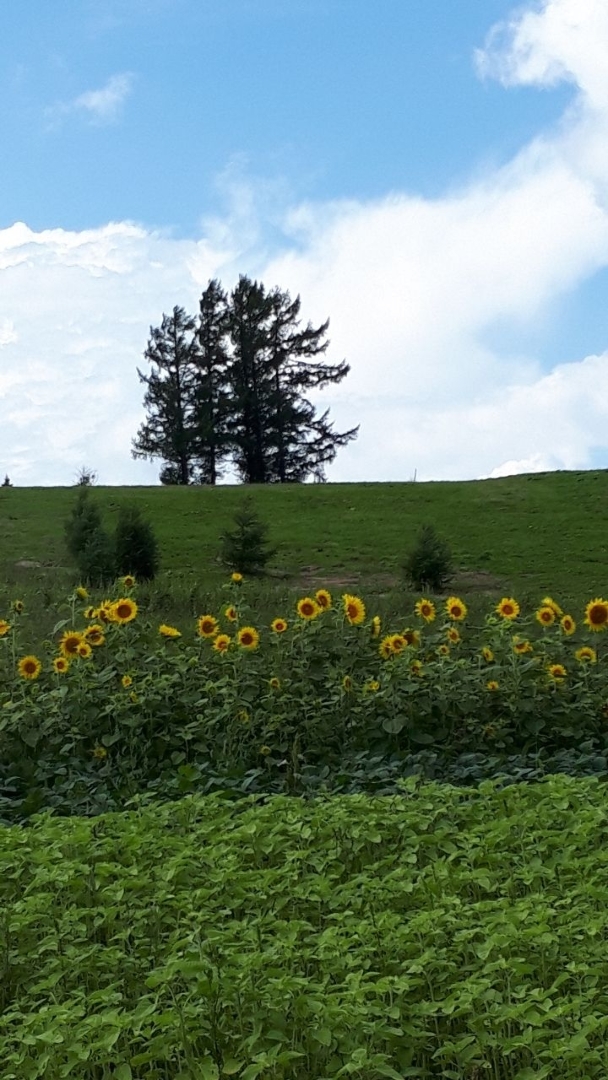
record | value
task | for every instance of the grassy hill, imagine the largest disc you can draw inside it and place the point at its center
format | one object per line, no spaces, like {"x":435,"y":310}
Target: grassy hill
{"x":527,"y":534}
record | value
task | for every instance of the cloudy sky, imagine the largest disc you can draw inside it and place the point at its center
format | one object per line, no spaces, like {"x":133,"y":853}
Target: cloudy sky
{"x":431,"y":175}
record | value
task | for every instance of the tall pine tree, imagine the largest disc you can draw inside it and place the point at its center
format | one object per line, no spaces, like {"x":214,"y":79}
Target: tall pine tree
{"x":211,"y":394}
{"x":168,"y":432}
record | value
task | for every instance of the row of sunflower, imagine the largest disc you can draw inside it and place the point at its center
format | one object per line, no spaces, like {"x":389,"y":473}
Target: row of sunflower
{"x":308,"y":686}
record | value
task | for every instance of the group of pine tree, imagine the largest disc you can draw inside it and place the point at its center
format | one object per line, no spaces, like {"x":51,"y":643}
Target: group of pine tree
{"x":228,"y":389}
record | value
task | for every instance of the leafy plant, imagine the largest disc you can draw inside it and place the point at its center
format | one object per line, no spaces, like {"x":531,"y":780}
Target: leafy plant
{"x":245,"y":548}
{"x":87,"y":541}
{"x":135,"y":545}
{"x":428,"y":565}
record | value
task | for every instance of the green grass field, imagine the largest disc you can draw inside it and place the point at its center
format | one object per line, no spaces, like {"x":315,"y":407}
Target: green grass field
{"x":526,"y":534}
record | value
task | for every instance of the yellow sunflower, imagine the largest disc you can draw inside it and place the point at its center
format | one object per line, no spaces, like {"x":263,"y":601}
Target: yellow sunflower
{"x":521,"y":646}
{"x":168,"y":631}
{"x":94,"y":635}
{"x":547,"y":601}
{"x":265,"y":751}
{"x":444,"y":650}
{"x":221,"y":642}
{"x":492,"y":685}
{"x":81,"y":592}
{"x":557,"y":671}
{"x":487,"y":654}
{"x":90,"y":612}
{"x":84,"y":650}
{"x":323,"y":598}
{"x":508,"y":608}
{"x":347,"y":683}
{"x":586,"y":655}
{"x":60,"y":665}
{"x":70,"y":640}
{"x":416,"y":667}
{"x":4,"y":627}
{"x":236,"y":577}
{"x":372,"y":686}
{"x":29,"y":667}
{"x":231,"y":613}
{"x":308,"y":608}
{"x":100,"y":753}
{"x":104,"y":612}
{"x":128,"y":581}
{"x":274,"y":683}
{"x":596,"y":614}
{"x":453,"y":635}
{"x":207,"y":626}
{"x":398,"y":643}
{"x":456,"y":608}
{"x":567,"y":624}
{"x":279,"y":626}
{"x":17,"y":606}
{"x":376,"y":626}
{"x":354,"y":609}
{"x":127,"y":681}
{"x":248,"y":637}
{"x":425,"y":609}
{"x":385,"y":647}
{"x":412,"y":637}
{"x":545,"y":615}
{"x":124,"y":610}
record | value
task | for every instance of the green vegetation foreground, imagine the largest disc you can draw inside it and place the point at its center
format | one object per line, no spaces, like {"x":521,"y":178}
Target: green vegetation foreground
{"x":441,"y":933}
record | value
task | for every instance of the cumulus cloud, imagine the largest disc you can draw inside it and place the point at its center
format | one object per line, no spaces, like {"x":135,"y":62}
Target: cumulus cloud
{"x":415,"y":289}
{"x":102,"y":106}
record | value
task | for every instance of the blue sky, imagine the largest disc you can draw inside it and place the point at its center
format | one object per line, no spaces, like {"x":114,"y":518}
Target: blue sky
{"x":429,"y":174}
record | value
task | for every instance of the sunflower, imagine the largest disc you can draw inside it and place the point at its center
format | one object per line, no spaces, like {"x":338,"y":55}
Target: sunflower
{"x":60,"y":665}
{"x":596,"y":614}
{"x":279,"y":626}
{"x":17,"y":607}
{"x":412,"y":637}
{"x":84,"y":650}
{"x":100,"y":753}
{"x":4,"y":627}
{"x":127,"y":681}
{"x":104,"y":612}
{"x":376,"y":626}
{"x":455,"y":608}
{"x":323,"y":598}
{"x":347,"y":683}
{"x":221,"y":642}
{"x":354,"y":609}
{"x":521,"y":646}
{"x":372,"y":686}
{"x":556,"y":671}
{"x":274,"y":683}
{"x":492,"y":685}
{"x":168,"y":631}
{"x":29,"y":667}
{"x":453,"y":635}
{"x":248,"y":637}
{"x":236,"y":577}
{"x":308,"y":608}
{"x":416,"y":667}
{"x":425,"y":609}
{"x":547,"y":601}
{"x":231,"y":614}
{"x":90,"y":612}
{"x":124,"y":610}
{"x":567,"y":624}
{"x":81,"y":592}
{"x":508,"y":608}
{"x":128,"y":581}
{"x":385,"y":647}
{"x":265,"y":751}
{"x":487,"y":654}
{"x":545,"y":615}
{"x":70,"y":640}
{"x":398,"y":643}
{"x":444,"y":650}
{"x":207,"y":626}
{"x":94,"y":635}
{"x":586,"y":655}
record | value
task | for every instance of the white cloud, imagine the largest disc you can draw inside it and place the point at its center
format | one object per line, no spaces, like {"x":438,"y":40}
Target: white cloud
{"x":101,"y":106}
{"x":414,"y":289}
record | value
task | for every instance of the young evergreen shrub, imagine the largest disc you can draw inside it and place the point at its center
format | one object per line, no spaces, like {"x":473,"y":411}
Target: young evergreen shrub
{"x":135,"y":545}
{"x":87,"y":541}
{"x":429,"y":564}
{"x":245,"y":547}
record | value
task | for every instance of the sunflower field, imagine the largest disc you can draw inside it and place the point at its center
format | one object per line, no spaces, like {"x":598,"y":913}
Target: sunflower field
{"x":113,"y":704}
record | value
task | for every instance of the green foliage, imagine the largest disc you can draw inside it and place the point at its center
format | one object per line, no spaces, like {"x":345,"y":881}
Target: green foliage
{"x":245,"y":547}
{"x":135,"y":545}
{"x":429,"y":564}
{"x":411,"y":937}
{"x":87,"y":541}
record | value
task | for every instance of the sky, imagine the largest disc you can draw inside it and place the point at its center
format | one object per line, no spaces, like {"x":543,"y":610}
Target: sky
{"x":432,"y":176}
